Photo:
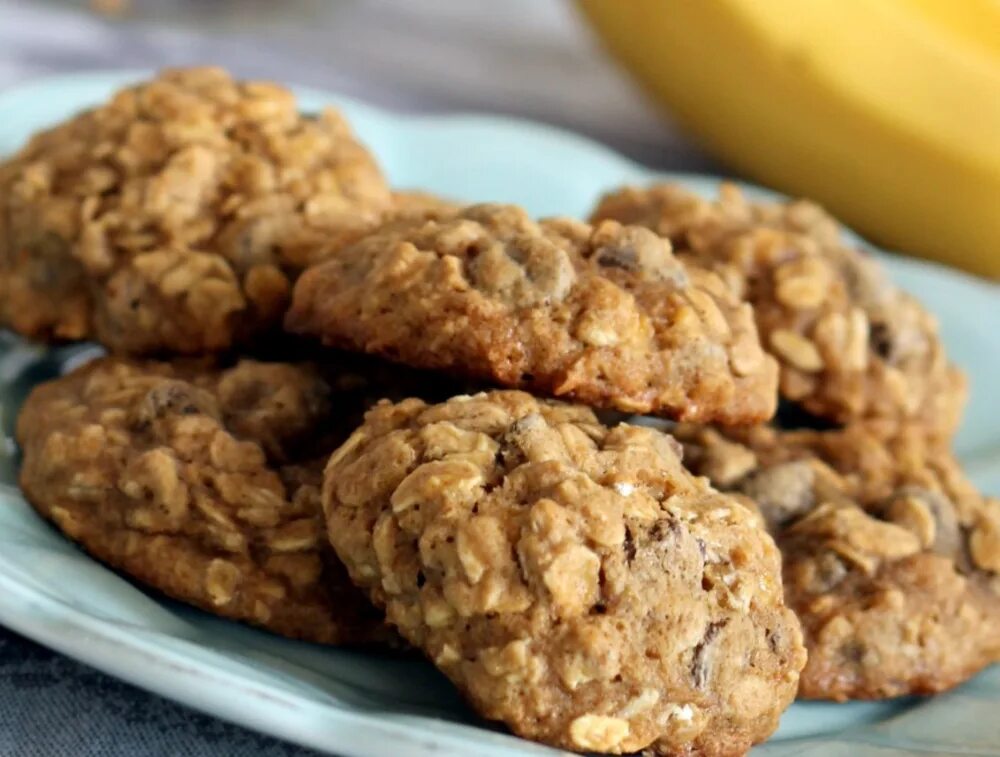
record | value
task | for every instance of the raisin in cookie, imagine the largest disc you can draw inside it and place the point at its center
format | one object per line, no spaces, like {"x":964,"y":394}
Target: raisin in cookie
{"x":575,"y":581}
{"x":850,"y":344}
{"x":602,"y":314}
{"x":202,"y":483}
{"x":175,"y":216}
{"x":891,"y":557}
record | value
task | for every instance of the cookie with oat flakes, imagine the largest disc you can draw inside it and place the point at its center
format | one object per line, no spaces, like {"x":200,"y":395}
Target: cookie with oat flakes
{"x":605,"y":315}
{"x":413,"y":203}
{"x":203,"y":483}
{"x":891,"y":557}
{"x":174,"y":217}
{"x":850,"y":344}
{"x":573,"y":580}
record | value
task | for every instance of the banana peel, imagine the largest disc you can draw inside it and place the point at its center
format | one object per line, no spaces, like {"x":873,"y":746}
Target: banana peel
{"x":886,"y":111}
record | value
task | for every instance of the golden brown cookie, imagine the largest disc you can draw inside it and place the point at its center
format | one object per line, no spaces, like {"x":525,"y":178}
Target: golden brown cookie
{"x":850,"y":344}
{"x":605,"y":314}
{"x":891,"y":557}
{"x":574,"y":581}
{"x":175,"y":216}
{"x":412,"y":203}
{"x":203,"y":483}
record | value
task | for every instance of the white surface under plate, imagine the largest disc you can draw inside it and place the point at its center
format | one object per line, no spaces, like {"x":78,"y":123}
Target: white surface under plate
{"x":362,"y":704}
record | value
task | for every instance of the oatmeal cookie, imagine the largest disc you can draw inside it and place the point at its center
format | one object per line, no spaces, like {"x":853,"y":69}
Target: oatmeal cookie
{"x":891,"y":557}
{"x":850,"y":344}
{"x":407,"y":203}
{"x":605,"y":314}
{"x":575,"y":581}
{"x":203,"y":483}
{"x":175,"y":216}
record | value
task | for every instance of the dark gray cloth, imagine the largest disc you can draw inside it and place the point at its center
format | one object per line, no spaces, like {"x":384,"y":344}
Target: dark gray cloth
{"x":52,"y":706}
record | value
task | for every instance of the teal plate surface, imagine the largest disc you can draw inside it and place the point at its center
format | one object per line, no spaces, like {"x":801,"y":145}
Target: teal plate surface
{"x":361,"y":705}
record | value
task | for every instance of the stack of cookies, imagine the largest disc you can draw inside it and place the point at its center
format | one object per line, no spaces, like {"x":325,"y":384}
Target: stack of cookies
{"x":357,"y":416}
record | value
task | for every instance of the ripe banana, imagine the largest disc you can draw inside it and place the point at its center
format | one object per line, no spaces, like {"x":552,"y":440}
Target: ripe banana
{"x":886,"y":111}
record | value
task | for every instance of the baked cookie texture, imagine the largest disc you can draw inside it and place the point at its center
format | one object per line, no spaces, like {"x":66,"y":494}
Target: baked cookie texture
{"x":574,"y":581}
{"x":203,"y":483}
{"x":605,"y":315}
{"x":891,"y":557}
{"x":850,"y":344}
{"x":175,"y":217}
{"x":414,"y":203}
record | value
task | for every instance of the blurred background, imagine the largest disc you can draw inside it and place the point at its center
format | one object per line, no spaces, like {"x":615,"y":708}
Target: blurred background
{"x":531,"y":58}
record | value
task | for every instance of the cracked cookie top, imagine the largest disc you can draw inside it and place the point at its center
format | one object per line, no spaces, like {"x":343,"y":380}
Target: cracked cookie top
{"x":574,"y":580}
{"x":891,"y":557}
{"x":174,"y":217}
{"x":606,"y":314}
{"x":850,"y":344}
{"x":203,"y":483}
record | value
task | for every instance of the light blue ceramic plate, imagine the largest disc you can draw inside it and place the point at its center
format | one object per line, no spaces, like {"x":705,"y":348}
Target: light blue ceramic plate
{"x":362,"y":704}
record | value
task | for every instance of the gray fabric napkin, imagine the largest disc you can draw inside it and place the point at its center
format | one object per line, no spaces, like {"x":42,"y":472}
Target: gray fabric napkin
{"x":52,"y":706}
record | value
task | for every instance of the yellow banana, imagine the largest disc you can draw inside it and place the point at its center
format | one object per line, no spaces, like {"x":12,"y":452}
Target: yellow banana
{"x":886,"y":111}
